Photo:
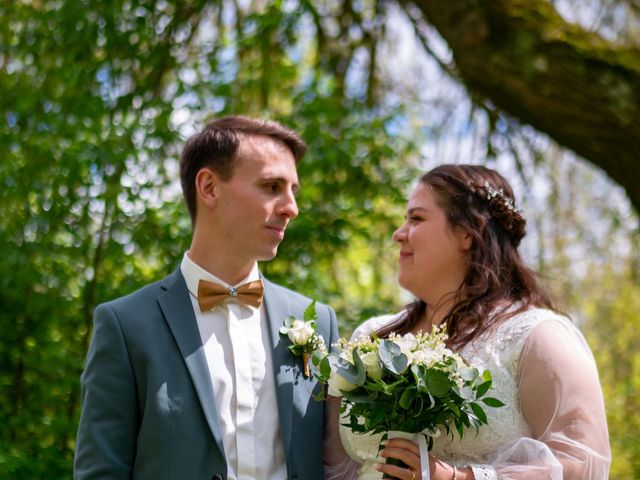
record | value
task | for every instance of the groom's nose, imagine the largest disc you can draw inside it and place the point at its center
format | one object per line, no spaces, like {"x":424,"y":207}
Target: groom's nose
{"x":288,"y":207}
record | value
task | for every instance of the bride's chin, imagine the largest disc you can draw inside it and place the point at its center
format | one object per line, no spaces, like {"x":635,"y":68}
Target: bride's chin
{"x":406,"y":285}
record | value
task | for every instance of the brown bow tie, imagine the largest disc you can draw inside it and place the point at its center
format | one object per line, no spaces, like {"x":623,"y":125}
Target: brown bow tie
{"x":212,"y":294}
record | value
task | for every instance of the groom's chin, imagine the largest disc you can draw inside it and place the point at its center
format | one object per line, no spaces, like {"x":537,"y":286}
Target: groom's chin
{"x":268,"y":255}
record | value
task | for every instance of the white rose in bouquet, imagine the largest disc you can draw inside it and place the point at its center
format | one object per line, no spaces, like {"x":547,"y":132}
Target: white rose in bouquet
{"x":372,"y":364}
{"x":338,"y":384}
{"x":407,"y":344}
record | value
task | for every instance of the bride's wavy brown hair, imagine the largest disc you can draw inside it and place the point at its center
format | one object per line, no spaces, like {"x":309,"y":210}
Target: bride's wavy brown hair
{"x":497,"y":284}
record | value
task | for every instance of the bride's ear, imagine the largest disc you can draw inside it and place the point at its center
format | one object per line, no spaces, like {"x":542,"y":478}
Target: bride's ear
{"x":465,"y":240}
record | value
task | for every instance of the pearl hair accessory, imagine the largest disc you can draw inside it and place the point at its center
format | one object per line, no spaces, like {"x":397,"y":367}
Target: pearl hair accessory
{"x":492,"y":193}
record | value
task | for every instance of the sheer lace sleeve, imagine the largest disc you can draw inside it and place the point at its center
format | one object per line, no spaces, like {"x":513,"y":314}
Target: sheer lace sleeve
{"x":562,"y":402}
{"x":337,"y":464}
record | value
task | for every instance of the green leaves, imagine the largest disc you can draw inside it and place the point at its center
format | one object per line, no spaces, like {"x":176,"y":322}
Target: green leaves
{"x":438,"y":383}
{"x":493,"y":402}
{"x":392,"y":357}
{"x":435,"y":391}
{"x":483,"y":388}
{"x":351,"y":373}
{"x":310,"y":312}
{"x":479,"y":412}
{"x":407,"y":397}
{"x":320,"y":362}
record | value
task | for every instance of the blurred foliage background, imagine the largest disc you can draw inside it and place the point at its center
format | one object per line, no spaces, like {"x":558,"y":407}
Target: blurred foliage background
{"x":97,"y":99}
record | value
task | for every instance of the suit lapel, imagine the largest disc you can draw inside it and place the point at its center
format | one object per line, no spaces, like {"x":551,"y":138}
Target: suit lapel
{"x":278,"y":308}
{"x":178,"y":311}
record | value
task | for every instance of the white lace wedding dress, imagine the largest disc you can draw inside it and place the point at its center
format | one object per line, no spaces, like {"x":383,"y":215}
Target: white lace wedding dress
{"x":552,"y":426}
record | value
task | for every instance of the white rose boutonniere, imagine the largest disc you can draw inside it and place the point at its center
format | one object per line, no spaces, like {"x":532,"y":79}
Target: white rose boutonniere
{"x":300,"y":331}
{"x":304,"y":336}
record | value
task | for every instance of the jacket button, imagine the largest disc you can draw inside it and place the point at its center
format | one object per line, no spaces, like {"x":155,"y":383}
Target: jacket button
{"x":217,"y":477}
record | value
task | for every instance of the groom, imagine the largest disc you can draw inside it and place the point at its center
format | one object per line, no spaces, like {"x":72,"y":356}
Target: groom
{"x":189,"y":378}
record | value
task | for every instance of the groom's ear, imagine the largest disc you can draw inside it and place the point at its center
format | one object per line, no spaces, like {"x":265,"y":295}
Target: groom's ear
{"x":207,"y":182}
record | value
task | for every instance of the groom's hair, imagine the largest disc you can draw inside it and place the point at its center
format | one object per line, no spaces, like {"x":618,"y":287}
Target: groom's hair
{"x":216,"y":145}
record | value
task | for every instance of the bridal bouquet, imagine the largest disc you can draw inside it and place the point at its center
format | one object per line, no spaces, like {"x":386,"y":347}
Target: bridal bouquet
{"x":409,"y":383}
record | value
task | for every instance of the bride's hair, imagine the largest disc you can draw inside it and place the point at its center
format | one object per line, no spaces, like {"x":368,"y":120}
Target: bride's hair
{"x":497,"y":284}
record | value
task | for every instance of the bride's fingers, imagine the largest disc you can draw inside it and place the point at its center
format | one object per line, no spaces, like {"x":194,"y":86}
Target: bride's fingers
{"x":399,"y":472}
{"x":406,"y":456}
{"x":402,"y":443}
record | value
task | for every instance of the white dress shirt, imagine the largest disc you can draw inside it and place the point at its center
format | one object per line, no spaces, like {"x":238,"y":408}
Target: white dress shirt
{"x":237,"y":346}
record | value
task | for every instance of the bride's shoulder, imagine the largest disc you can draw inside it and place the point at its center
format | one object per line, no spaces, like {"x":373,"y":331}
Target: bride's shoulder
{"x":374,"y":324}
{"x":533,"y":316}
{"x":523,"y":323}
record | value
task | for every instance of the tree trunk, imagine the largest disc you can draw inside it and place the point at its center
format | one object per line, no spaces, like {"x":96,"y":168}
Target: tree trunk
{"x":578,"y":88}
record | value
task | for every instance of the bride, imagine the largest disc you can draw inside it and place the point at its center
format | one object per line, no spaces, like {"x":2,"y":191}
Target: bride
{"x":459,"y":258}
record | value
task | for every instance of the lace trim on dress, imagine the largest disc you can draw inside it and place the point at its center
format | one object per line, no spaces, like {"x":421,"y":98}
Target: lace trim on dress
{"x":484,"y":472}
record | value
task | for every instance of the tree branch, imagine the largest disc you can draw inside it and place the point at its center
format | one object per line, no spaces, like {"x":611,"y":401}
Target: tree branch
{"x":581,"y":90}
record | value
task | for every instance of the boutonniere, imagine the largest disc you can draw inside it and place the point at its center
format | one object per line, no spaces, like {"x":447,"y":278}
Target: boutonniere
{"x":304,"y":336}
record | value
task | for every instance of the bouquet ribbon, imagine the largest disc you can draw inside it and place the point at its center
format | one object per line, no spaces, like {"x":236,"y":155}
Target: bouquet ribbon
{"x":424,"y":456}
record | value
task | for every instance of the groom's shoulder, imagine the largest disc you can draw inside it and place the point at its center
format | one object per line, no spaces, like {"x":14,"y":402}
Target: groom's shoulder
{"x":282,"y":290}
{"x":293,"y":297}
{"x":144,"y":295}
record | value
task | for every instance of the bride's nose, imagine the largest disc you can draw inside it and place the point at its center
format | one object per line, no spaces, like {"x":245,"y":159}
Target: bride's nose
{"x":400,"y":235}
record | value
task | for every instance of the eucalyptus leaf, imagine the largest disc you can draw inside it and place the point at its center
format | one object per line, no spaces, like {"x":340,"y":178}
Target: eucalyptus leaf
{"x":392,"y":357}
{"x":468,"y":373}
{"x":467,"y":393}
{"x":419,"y":374}
{"x":343,"y":368}
{"x":361,"y":371}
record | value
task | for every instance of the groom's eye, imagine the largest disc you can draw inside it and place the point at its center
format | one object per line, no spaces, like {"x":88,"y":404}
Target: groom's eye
{"x":271,"y":187}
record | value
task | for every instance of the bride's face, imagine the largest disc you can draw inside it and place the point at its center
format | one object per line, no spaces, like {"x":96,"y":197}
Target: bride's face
{"x":432,"y":259}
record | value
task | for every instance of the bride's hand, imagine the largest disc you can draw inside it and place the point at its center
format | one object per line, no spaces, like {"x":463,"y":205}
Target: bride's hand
{"x":409,"y":453}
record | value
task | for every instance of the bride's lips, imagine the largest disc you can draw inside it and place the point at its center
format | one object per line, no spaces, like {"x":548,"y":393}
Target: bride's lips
{"x":404,"y":255}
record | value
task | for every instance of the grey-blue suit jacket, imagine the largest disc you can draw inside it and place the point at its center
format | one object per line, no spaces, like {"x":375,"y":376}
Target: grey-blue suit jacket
{"x":148,"y":410}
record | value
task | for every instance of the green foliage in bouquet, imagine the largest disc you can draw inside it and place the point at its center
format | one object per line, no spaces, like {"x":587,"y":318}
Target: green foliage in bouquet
{"x":406,"y":383}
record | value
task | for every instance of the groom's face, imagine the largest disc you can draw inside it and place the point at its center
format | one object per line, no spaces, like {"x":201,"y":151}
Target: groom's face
{"x":256,"y":204}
